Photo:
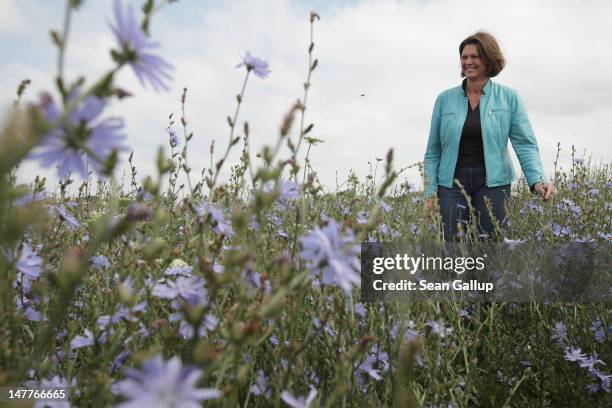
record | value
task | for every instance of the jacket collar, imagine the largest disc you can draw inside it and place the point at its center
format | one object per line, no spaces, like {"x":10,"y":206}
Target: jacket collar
{"x":485,"y":88}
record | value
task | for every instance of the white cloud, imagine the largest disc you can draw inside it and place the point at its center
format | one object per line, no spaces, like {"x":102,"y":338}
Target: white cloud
{"x":400,"y":54}
{"x":11,"y":18}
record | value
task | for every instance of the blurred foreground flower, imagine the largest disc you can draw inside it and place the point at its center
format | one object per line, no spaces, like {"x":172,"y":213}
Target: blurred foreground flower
{"x":287,"y":191}
{"x":78,"y":139}
{"x":259,"y":66}
{"x":30,"y":197}
{"x":138,"y":212}
{"x":300,"y":402}
{"x":135,"y":50}
{"x":163,"y":384}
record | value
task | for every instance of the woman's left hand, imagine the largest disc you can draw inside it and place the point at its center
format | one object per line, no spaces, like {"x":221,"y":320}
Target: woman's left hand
{"x":545,"y":190}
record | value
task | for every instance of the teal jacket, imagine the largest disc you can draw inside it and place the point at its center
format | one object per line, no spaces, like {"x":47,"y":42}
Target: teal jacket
{"x":502,"y":117}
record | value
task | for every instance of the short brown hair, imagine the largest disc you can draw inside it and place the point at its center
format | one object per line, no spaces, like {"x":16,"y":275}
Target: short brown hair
{"x":489,"y":50}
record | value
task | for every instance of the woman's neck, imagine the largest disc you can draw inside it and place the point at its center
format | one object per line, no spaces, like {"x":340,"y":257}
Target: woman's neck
{"x":474,"y":86}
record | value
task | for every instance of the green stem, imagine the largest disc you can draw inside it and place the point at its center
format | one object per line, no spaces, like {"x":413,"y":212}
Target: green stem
{"x":62,"y":45}
{"x":231,"y":135}
{"x":185,"y":136}
{"x":306,"y":87}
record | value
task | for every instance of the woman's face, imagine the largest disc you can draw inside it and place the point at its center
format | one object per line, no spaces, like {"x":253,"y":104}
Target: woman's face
{"x":471,"y":65}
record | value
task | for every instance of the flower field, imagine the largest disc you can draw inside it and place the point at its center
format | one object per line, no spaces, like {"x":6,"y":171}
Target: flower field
{"x":243,"y":291}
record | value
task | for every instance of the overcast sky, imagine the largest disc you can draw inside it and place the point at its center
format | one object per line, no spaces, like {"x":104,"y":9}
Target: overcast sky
{"x":400,"y":54}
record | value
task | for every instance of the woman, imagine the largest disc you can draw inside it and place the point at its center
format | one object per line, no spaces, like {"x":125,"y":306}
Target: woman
{"x":468,"y":143}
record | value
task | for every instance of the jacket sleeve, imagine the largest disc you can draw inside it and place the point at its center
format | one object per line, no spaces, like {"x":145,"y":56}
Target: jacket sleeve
{"x":524,"y":143}
{"x":431,"y":162}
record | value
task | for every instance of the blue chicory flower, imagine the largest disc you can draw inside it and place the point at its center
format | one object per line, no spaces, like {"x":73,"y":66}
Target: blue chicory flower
{"x":260,"y":387}
{"x":572,"y":185}
{"x":187,"y":331}
{"x":258,"y":65}
{"x":25,"y":306}
{"x":375,"y":358}
{"x":173,"y":138}
{"x":66,"y":144}
{"x":29,"y":197}
{"x":360,"y":310}
{"x":163,"y":384}
{"x":332,"y":254}
{"x":560,"y":334}
{"x":599,"y":330}
{"x":362,"y":217}
{"x":29,"y":263}
{"x":143,"y":195}
{"x":82,"y":341}
{"x":439,"y":329}
{"x":590,"y":361}
{"x":299,"y":402}
{"x":66,"y":216}
{"x":288,"y":191}
{"x":99,"y":262}
{"x":593,"y":191}
{"x":179,"y":270}
{"x":384,"y":206}
{"x":220,"y":225}
{"x":560,"y":231}
{"x":136,"y":50}
{"x":410,"y":334}
{"x":190,"y":289}
{"x":574,"y":354}
{"x":326,"y":326}
{"x":274,"y":340}
{"x":55,"y":382}
{"x":119,"y":360}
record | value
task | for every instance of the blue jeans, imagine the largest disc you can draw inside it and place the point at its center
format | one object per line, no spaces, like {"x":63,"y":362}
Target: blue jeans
{"x":454,"y":208}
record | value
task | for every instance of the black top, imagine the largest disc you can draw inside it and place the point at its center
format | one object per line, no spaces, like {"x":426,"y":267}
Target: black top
{"x":471,"y":151}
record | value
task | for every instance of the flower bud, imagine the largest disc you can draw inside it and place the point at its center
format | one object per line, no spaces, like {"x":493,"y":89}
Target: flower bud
{"x":138,"y":212}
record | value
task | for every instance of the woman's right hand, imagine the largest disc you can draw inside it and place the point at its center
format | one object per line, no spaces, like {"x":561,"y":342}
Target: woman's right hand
{"x":431,"y":206}
{"x":545,"y":191}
